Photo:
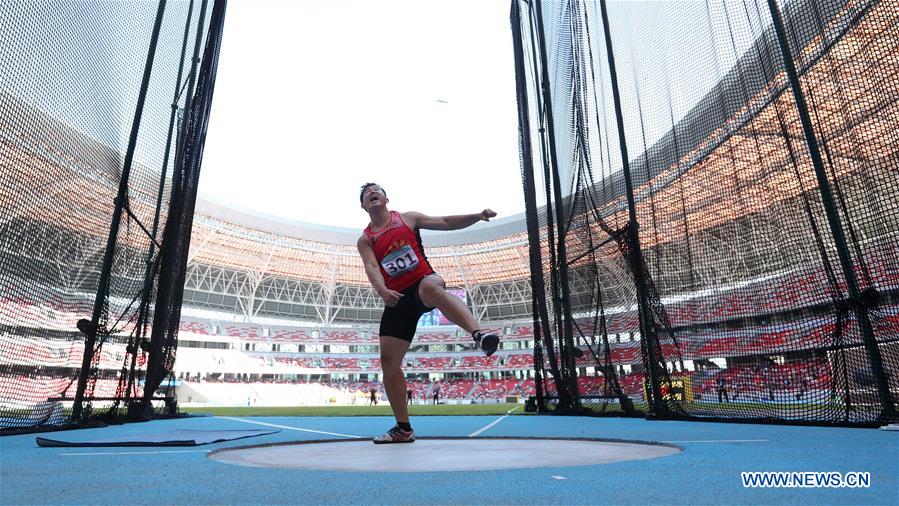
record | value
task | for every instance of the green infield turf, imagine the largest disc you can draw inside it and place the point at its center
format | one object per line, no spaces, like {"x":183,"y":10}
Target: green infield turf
{"x":382,"y":409}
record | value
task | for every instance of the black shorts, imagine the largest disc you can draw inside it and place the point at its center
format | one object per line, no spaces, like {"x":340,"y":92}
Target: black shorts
{"x":402,"y":319}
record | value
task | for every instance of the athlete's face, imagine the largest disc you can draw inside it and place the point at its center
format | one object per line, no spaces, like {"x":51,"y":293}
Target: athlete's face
{"x":372,"y":197}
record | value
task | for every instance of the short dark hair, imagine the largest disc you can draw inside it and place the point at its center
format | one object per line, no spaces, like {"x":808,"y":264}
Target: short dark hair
{"x":366,"y":185}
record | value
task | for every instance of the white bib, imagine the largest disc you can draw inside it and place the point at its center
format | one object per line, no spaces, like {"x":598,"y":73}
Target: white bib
{"x":400,"y":261}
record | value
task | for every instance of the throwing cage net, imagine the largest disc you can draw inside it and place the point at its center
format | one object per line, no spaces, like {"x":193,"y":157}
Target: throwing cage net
{"x":103,"y":110}
{"x":712,"y":194}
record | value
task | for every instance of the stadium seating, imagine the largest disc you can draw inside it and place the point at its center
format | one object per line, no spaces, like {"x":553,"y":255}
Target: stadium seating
{"x":340,"y":364}
{"x":527,"y":387}
{"x":299,"y":362}
{"x":493,"y":389}
{"x":458,"y":389}
{"x":756,"y":383}
{"x":522,"y":360}
{"x":195,"y":327}
{"x":342,"y":337}
{"x":591,"y":385}
{"x":290,"y":335}
{"x":438,"y":337}
{"x":701,"y":342}
{"x":433,"y":363}
{"x":478,"y":362}
{"x":245,"y":331}
{"x":522,"y":331}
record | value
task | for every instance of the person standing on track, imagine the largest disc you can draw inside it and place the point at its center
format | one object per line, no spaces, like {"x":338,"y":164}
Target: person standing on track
{"x":399,"y":271}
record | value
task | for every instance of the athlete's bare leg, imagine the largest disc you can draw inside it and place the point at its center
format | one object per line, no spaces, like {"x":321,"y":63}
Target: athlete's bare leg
{"x":432,"y":291}
{"x":393,"y":350}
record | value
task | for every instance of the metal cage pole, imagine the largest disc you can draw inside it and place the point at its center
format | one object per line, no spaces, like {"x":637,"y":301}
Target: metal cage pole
{"x":566,"y":339}
{"x":644,"y":310}
{"x":538,"y":285}
{"x":90,"y":338}
{"x":155,"y":346}
{"x":148,"y":272}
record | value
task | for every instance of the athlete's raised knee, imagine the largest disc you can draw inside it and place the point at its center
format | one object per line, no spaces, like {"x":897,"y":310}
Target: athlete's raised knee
{"x":431,"y":289}
{"x":433,"y":282}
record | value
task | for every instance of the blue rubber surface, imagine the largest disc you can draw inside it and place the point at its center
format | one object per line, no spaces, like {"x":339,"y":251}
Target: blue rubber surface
{"x":706,"y":472}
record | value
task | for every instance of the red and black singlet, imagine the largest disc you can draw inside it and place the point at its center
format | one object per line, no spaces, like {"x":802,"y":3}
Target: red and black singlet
{"x":399,"y":252}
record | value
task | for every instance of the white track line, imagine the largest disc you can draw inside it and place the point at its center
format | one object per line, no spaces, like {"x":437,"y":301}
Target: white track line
{"x":722,"y":441}
{"x":491,"y":424}
{"x":133,"y":453}
{"x":289,"y":428}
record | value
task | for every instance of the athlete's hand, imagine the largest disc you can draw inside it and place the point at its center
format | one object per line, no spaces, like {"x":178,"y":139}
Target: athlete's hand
{"x":486,"y":214}
{"x":391,"y":297}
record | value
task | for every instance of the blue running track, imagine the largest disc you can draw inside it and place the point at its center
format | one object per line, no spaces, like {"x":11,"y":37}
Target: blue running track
{"x":706,"y":472}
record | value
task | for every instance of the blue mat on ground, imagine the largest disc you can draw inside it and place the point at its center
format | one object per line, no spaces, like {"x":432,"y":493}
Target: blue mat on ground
{"x":171,"y":438}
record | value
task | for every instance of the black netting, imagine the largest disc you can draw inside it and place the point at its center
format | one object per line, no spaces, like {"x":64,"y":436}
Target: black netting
{"x":730,"y":240}
{"x":91,"y":100}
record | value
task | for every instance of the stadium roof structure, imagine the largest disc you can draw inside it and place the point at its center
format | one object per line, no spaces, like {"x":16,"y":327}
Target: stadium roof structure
{"x":263,"y":265}
{"x":279,"y":225}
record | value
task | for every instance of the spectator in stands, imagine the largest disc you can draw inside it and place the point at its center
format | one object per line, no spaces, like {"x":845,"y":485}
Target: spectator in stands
{"x":400,"y":273}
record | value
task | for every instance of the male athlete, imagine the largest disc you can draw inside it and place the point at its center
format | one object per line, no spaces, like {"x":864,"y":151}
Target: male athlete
{"x":397,"y":268}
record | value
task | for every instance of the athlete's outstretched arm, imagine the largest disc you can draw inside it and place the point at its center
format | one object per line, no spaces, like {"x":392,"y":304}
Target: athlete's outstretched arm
{"x":370,"y":261}
{"x":455,"y":222}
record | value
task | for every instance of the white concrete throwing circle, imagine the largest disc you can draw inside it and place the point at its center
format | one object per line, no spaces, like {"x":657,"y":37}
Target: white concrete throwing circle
{"x":440,"y":454}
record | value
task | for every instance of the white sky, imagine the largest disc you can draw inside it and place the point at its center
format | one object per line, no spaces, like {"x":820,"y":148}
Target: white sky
{"x":314,"y":98}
